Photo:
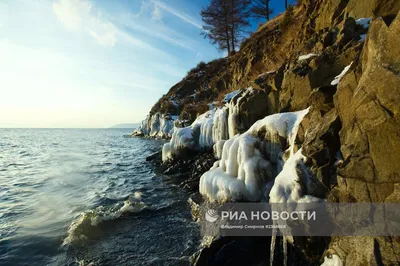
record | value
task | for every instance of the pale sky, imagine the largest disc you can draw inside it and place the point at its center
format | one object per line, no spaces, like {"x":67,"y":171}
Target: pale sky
{"x":81,"y":63}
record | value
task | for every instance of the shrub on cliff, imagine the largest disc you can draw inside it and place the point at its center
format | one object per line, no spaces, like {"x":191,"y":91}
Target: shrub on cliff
{"x":288,"y":17}
{"x":197,"y":68}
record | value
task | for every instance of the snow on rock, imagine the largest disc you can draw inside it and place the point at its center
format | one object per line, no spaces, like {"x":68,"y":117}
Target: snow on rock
{"x":307,"y":56}
{"x":246,"y":160}
{"x":364,"y":22}
{"x":340,"y":76}
{"x":362,"y":37}
{"x":333,"y":261}
{"x":212,"y":105}
{"x":229,"y":96}
{"x":265,"y":73}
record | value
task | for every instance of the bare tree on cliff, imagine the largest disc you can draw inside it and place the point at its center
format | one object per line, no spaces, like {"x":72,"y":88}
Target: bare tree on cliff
{"x":286,"y":4}
{"x":260,"y":9}
{"x":224,"y":22}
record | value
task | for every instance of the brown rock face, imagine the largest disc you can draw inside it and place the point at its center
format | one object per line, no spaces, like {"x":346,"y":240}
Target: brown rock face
{"x":252,"y":107}
{"x":367,"y":102}
{"x":371,"y":8}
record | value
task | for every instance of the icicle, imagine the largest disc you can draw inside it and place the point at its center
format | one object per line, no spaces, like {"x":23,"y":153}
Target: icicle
{"x":285,"y":250}
{"x":272,"y":247}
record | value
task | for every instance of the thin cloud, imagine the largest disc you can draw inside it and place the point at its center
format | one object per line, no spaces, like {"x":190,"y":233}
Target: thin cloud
{"x":142,"y":9}
{"x":159,"y":31}
{"x":156,"y":14}
{"x":76,"y":15}
{"x":183,"y":16}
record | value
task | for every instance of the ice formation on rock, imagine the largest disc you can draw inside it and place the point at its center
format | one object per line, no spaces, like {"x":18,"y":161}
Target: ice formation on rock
{"x":156,"y":125}
{"x":218,"y":148}
{"x":209,"y":128}
{"x":246,"y":159}
{"x":333,"y":261}
{"x":220,"y":128}
{"x":181,"y":138}
{"x":196,"y":136}
{"x":230,"y":95}
{"x":233,"y":108}
{"x":287,"y":187}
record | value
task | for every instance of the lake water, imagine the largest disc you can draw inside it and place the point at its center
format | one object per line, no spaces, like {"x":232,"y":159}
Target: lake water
{"x":87,"y":196}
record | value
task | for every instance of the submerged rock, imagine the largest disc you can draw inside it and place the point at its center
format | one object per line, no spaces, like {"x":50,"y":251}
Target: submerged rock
{"x":232,"y":251}
{"x":154,"y":157}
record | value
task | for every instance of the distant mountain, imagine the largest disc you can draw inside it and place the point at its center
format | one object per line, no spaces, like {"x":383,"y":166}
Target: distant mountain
{"x":126,"y":125}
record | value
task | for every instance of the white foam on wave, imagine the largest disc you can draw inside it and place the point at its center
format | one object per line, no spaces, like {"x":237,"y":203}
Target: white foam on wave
{"x":85,"y":226}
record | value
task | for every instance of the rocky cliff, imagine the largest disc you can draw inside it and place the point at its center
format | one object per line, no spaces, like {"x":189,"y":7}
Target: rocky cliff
{"x":317,"y":89}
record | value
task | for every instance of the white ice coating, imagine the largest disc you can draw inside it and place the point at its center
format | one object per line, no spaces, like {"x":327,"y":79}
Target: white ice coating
{"x":157,"y":125}
{"x":220,"y":128}
{"x":362,"y":37}
{"x":199,"y":135}
{"x":305,"y":57}
{"x":202,"y":127}
{"x":340,"y":76}
{"x":230,"y":95}
{"x":181,"y":138}
{"x":287,"y":188}
{"x":218,"y":148}
{"x":234,"y":104}
{"x":333,"y":261}
{"x":245,"y":165}
{"x":209,"y":128}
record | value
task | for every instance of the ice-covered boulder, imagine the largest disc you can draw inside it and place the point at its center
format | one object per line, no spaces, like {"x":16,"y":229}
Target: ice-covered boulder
{"x":194,"y":137}
{"x":249,"y":160}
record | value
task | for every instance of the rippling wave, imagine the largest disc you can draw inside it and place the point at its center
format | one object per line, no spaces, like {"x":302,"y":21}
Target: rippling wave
{"x":75,"y":197}
{"x":85,"y":226}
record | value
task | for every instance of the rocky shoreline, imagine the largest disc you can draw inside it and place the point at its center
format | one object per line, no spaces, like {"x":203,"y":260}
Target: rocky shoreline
{"x":314,"y":102}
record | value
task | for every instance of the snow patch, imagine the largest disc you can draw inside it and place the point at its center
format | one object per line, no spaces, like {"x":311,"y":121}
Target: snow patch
{"x":362,"y":37}
{"x":230,"y":95}
{"x":340,"y":76}
{"x":364,"y":22}
{"x":305,"y":57}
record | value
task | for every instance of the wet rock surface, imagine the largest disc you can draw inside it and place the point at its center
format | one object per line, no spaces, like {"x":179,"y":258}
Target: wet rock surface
{"x":189,"y":169}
